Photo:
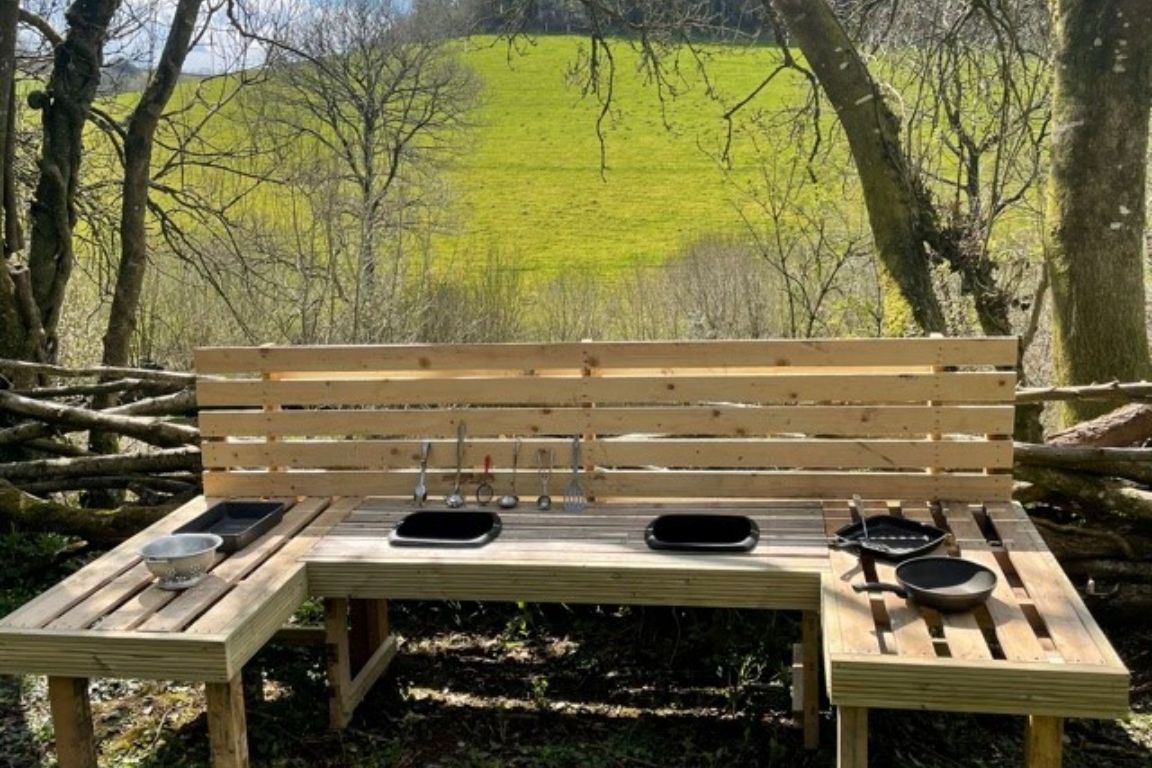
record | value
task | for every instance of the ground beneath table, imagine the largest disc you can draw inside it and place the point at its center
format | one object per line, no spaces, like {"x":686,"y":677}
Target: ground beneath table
{"x":494,"y":685}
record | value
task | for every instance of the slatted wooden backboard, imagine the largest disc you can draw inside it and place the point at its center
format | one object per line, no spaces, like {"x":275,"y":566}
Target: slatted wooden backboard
{"x":883,"y":418}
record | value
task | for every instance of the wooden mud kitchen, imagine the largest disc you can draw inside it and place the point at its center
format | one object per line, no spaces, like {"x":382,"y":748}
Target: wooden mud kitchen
{"x":762,"y":463}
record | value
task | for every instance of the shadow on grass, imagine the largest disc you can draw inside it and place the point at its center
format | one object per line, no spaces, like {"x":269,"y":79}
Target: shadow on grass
{"x":496,"y":698}
{"x":19,"y":748}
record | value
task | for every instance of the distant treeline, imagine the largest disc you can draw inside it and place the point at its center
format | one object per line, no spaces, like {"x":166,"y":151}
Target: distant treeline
{"x":724,"y":17}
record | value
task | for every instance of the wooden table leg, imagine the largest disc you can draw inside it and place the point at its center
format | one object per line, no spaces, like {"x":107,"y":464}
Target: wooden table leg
{"x":851,"y":737}
{"x":369,"y":620}
{"x":810,"y":639}
{"x":72,"y":720}
{"x":227,"y":725}
{"x":339,"y":661}
{"x":1044,"y":742}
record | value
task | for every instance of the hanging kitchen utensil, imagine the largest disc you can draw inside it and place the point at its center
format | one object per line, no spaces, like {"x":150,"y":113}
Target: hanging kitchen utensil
{"x":420,"y":492}
{"x":544,"y":460}
{"x":484,"y":492}
{"x":455,"y":499}
{"x":948,"y":584}
{"x":510,"y":500}
{"x":574,"y":497}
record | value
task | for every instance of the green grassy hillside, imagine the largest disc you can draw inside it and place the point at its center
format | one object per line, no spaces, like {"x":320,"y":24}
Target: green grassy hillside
{"x":531,"y":188}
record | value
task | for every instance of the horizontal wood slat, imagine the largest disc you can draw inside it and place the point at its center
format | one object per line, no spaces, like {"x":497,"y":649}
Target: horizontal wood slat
{"x":635,"y":484}
{"x":851,"y":388}
{"x":725,"y":420}
{"x":595,"y":355}
{"x":815,"y":454}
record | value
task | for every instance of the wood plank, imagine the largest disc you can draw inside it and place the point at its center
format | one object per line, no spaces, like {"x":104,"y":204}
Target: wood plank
{"x":1044,"y":742}
{"x":384,"y":455}
{"x":636,"y":484}
{"x":576,"y":390}
{"x":72,"y":722}
{"x":522,"y":356}
{"x":907,"y":624}
{"x":851,"y":737}
{"x":1053,"y":596}
{"x":338,"y":654}
{"x":113,"y":654}
{"x":682,"y":585}
{"x":810,"y":685}
{"x":730,"y":420}
{"x":227,"y":723}
{"x":964,"y":637}
{"x":182,"y":609}
{"x":960,"y":685}
{"x":1015,"y":635}
{"x":376,"y":665}
{"x":113,"y":594}
{"x":85,"y":582}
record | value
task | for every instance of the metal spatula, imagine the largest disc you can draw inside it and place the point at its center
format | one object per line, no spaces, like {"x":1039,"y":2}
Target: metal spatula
{"x":574,"y":497}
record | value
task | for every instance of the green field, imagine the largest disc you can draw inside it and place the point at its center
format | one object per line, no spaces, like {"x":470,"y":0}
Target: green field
{"x":530,"y":187}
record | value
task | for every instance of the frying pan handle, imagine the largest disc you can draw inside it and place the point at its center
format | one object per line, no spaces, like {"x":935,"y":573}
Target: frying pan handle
{"x":880,"y":586}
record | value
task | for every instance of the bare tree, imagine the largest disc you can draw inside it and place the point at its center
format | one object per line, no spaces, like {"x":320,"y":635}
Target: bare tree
{"x":374,"y":93}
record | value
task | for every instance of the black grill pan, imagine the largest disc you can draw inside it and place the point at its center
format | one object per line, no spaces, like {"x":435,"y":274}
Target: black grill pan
{"x":889,"y":538}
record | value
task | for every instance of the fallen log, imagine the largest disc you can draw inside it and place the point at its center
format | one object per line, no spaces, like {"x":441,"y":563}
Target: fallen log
{"x":1113,"y":390}
{"x":164,"y":405}
{"x":171,"y":460}
{"x":1129,"y":463}
{"x":99,"y":371}
{"x":161,"y":483}
{"x":1090,"y":491}
{"x":100,"y":527}
{"x":148,"y":430}
{"x":1127,"y":425}
{"x":116,"y":386}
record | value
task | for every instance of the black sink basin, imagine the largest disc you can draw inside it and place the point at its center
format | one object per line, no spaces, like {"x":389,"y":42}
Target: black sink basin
{"x":702,"y":533}
{"x":446,"y":528}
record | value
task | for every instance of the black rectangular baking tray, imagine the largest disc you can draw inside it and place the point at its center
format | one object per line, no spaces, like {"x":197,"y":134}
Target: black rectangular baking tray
{"x":446,"y":528}
{"x":693,"y":532}
{"x":238,"y":523}
{"x":889,"y":538}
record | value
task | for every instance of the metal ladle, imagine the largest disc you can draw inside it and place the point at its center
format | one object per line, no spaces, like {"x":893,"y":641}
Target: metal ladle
{"x":510,"y":500}
{"x":455,"y":499}
{"x":544,"y":459}
{"x":420,"y":492}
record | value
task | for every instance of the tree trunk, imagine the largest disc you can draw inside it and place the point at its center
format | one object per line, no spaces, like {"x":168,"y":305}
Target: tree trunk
{"x":71,"y":89}
{"x":133,"y":210}
{"x":137,"y":166}
{"x":1096,"y":193}
{"x":101,"y":527}
{"x":892,"y":194}
{"x":11,"y":339}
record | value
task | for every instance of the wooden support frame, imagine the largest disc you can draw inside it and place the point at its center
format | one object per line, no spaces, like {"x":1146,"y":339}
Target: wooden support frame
{"x":227,"y":723}
{"x":368,"y":636}
{"x":1044,"y":742}
{"x":810,"y":678}
{"x":851,"y":737}
{"x":72,"y":720}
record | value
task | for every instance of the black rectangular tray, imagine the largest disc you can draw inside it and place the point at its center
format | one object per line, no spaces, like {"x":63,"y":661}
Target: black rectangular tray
{"x":446,"y":528}
{"x":702,"y":533}
{"x":238,"y":523}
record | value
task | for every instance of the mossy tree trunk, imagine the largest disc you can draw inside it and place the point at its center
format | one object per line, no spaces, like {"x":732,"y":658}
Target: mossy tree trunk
{"x":897,"y":205}
{"x":71,"y":89}
{"x":10,"y":337}
{"x":1096,"y":193}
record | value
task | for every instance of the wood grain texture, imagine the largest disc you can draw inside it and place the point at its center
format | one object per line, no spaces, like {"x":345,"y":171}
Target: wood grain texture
{"x":1044,"y":742}
{"x":72,"y":722}
{"x":718,"y":420}
{"x":598,"y":355}
{"x":227,"y":723}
